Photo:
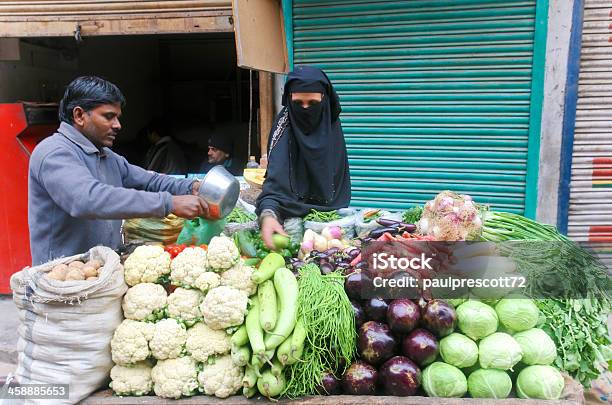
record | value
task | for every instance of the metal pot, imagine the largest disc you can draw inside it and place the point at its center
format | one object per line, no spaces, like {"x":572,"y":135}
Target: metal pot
{"x":220,"y":190}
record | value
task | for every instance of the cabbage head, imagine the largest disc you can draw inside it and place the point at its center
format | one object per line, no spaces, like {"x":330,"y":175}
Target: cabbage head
{"x":443,"y":380}
{"x":489,"y":384}
{"x":537,"y":347}
{"x":539,"y":382}
{"x":476,"y":320}
{"x":459,"y":350}
{"x":517,"y":314}
{"x":499,"y":351}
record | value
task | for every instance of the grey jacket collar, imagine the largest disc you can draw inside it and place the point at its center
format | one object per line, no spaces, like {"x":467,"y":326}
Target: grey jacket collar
{"x":79,"y":139}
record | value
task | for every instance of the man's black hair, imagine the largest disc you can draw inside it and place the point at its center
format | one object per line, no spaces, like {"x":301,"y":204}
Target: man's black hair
{"x":88,"y":92}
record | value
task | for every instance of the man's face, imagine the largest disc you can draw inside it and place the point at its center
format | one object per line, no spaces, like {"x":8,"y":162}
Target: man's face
{"x":100,"y":125}
{"x":216,"y":156}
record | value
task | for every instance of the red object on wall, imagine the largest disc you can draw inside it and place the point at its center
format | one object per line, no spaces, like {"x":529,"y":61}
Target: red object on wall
{"x":22,"y":126}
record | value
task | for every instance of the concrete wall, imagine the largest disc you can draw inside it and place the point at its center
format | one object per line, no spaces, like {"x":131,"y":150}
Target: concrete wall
{"x":557,"y":47}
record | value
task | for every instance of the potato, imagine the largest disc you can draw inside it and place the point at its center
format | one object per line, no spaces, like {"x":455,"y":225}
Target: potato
{"x":89,"y":271}
{"x":56,"y":275}
{"x":61,"y":270}
{"x":96,"y":264}
{"x":78,"y":264}
{"x":91,"y":278}
{"x":75,"y":274}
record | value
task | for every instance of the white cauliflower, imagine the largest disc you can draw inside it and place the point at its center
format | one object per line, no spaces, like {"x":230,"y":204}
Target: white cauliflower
{"x":239,"y":277}
{"x":224,"y":307}
{"x":145,"y":302}
{"x":132,"y":381}
{"x":203,"y":342}
{"x":207,"y":281}
{"x":184,"y":305}
{"x":146,"y":264}
{"x":130,"y":342}
{"x":175,"y":377}
{"x":221,"y":378}
{"x":168,"y":339}
{"x":222,"y":253}
{"x":187,"y":266}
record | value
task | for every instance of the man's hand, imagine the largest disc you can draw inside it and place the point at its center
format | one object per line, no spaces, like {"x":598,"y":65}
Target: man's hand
{"x":195,"y":187}
{"x":189,"y":206}
{"x":270,"y":226}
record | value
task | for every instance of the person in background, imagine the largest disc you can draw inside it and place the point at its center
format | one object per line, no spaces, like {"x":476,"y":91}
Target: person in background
{"x":307,"y":159}
{"x":79,"y":190}
{"x":164,"y":155}
{"x":220,"y":152}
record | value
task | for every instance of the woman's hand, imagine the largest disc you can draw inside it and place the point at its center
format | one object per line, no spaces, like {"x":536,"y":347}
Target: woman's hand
{"x":270,"y":226}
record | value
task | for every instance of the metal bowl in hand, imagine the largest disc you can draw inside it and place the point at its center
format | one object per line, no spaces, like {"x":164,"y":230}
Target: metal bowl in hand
{"x":220,"y":190}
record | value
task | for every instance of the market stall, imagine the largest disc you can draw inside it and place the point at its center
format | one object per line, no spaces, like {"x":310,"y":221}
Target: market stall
{"x":229,"y":318}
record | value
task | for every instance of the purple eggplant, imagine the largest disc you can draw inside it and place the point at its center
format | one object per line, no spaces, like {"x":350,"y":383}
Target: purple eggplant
{"x":384,"y":222}
{"x":330,"y":384}
{"x":403,"y":315}
{"x":332,"y":251}
{"x":352,"y":252}
{"x":399,"y":376}
{"x":360,"y":379}
{"x":439,"y":317}
{"x":377,"y":233}
{"x":326,"y":268}
{"x":375,"y":309}
{"x":421,"y":346}
{"x":376,"y":343}
{"x":353,"y":285}
{"x":360,"y":317}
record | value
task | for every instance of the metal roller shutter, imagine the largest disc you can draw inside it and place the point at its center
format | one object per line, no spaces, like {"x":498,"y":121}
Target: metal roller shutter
{"x":436,"y":95}
{"x":590,"y":210}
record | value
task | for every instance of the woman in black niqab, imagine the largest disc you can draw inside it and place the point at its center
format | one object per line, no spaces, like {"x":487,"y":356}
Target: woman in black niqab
{"x":307,"y":159}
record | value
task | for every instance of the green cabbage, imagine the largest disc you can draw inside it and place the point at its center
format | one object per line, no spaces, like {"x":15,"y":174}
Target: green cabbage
{"x":517,"y":314}
{"x":499,"y":351}
{"x":443,"y":380}
{"x":489,"y":384}
{"x":540,"y":382}
{"x":459,"y":350}
{"x":476,"y":320}
{"x":537,"y":346}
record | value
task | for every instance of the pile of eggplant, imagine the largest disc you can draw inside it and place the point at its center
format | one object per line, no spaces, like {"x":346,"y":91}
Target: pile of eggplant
{"x":389,"y":226}
{"x":396,"y":339}
{"x":333,"y":259}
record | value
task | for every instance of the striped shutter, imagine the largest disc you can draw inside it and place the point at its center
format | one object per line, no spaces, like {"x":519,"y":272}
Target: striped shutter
{"x":435,"y":94}
{"x":590,"y":210}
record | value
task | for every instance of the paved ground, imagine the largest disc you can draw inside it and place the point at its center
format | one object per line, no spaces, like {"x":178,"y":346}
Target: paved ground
{"x":8,"y":335}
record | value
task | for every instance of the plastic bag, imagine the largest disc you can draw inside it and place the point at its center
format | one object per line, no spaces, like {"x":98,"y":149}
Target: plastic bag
{"x":200,"y":231}
{"x":362,"y":228}
{"x":160,"y":230}
{"x":347,"y":223}
{"x":294,"y":228}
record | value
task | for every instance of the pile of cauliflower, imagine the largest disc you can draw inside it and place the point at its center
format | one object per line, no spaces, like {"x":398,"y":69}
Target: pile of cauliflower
{"x":178,"y":344}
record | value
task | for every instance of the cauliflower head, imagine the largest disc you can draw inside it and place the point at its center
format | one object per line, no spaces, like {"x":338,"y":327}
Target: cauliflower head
{"x":145,"y":302}
{"x":132,"y":381}
{"x":130,"y":342}
{"x":168,"y":339}
{"x":221,"y":378}
{"x":203,"y":342}
{"x":184,"y":305}
{"x":239,"y":277}
{"x":187,"y":266}
{"x":224,"y":307}
{"x":175,"y":377}
{"x":146,"y":265}
{"x":222,"y":253}
{"x":207,"y":281}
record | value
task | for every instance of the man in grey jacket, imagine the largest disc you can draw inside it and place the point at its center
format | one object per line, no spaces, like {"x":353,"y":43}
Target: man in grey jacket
{"x":79,"y":190}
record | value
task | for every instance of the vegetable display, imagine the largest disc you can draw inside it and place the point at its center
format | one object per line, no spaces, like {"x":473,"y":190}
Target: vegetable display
{"x":234,"y":318}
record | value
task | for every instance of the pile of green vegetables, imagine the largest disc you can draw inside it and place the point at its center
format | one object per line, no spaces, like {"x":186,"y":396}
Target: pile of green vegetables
{"x":578,"y":326}
{"x":240,"y":216}
{"x":329,"y":324}
{"x":322,"y":216}
{"x":412,"y":215}
{"x":251,"y":245}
